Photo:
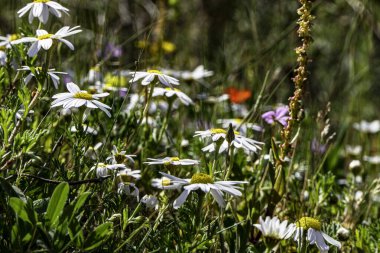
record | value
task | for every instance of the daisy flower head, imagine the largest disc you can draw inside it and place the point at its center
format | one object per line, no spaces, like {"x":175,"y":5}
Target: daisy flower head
{"x":128,"y":188}
{"x":76,"y":98}
{"x":368,"y":127}
{"x":6,"y":41}
{"x":170,"y":92}
{"x":218,"y":136}
{"x":41,"y":8}
{"x":314,"y":234}
{"x":273,"y":228}
{"x":102,"y":169}
{"x":38,"y":70}
{"x":206,"y":184}
{"x":150,"y":75}
{"x":125,"y":173}
{"x":120,"y":156}
{"x":44,"y":39}
{"x":172,"y":161}
{"x":3,"y":58}
{"x":237,"y":122}
{"x":198,"y":73}
{"x":150,"y":201}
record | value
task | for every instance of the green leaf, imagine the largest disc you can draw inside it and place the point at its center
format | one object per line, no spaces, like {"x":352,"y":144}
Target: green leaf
{"x":57,"y":202}
{"x":20,"y":208}
{"x":98,"y":236}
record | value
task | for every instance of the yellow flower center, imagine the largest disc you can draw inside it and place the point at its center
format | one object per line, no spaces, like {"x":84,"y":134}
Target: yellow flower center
{"x":201,"y":178}
{"x":168,"y":47}
{"x":45,"y":36}
{"x":171,"y":159}
{"x":13,"y":37}
{"x":2,"y":48}
{"x":165,"y":181}
{"x":83,"y":95}
{"x":101,"y":165}
{"x":154,"y":71}
{"x":41,"y":1}
{"x":237,"y":121}
{"x":218,"y":131}
{"x":221,"y":131}
{"x":172,"y":89}
{"x":308,"y":222}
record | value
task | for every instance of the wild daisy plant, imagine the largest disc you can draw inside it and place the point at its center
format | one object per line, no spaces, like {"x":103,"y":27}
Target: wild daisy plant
{"x":313,"y":227}
{"x":76,"y":98}
{"x":41,"y":9}
{"x":201,"y":181}
{"x":44,"y":40}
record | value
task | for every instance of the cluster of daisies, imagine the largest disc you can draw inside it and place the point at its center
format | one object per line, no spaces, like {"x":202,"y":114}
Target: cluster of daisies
{"x":273,"y":228}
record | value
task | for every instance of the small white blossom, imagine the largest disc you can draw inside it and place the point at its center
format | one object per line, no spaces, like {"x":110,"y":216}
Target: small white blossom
{"x":87,"y":129}
{"x":172,"y":161}
{"x":203,"y":182}
{"x":44,"y":39}
{"x":41,"y":8}
{"x":102,"y":169}
{"x":271,"y":227}
{"x":372,"y":159}
{"x":314,"y":234}
{"x":150,"y":75}
{"x":239,"y":141}
{"x":150,"y":201}
{"x":368,"y":127}
{"x":128,"y":188}
{"x":170,"y":92}
{"x":3,"y":58}
{"x":6,"y":41}
{"x":119,"y":156}
{"x":76,"y":98}
{"x":198,"y":73}
{"x":51,"y":72}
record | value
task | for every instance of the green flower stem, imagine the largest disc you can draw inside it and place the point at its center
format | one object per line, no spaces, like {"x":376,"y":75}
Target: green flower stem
{"x":147,"y":105}
{"x":230,"y":161}
{"x":217,"y":147}
{"x":165,"y":123}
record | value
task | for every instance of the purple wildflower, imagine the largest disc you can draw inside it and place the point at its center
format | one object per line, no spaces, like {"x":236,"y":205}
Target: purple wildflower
{"x":114,"y":50}
{"x":280,"y":115}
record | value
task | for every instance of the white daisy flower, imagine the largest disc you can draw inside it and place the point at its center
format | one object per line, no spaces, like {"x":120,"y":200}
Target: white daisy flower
{"x":372,"y":159}
{"x":236,"y":123}
{"x":314,"y":234}
{"x":150,"y":75}
{"x":150,"y":201}
{"x":169,"y":92}
{"x":120,"y":157}
{"x":273,"y":228}
{"x":87,"y":129}
{"x":102,"y":169}
{"x":368,"y":127}
{"x":127,"y":172}
{"x":45,"y":40}
{"x":203,"y":182}
{"x":198,"y":73}
{"x":41,"y":9}
{"x":51,"y":72}
{"x":353,"y":150}
{"x":76,"y":98}
{"x":249,"y":145}
{"x":172,"y":161}
{"x":128,"y":188}
{"x":3,"y":58}
{"x":6,"y":41}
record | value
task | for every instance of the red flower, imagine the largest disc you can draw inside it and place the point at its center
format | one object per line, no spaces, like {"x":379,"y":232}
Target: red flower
{"x":238,"y":96}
